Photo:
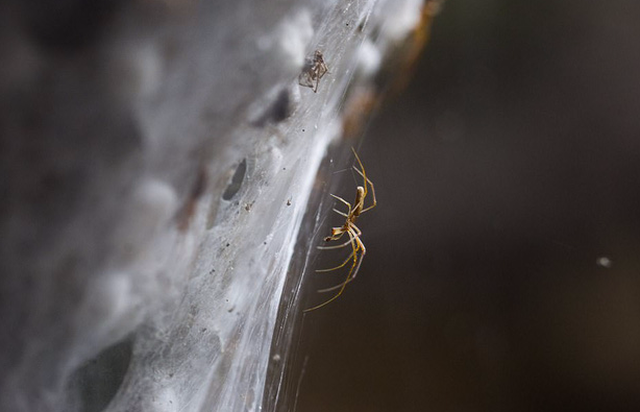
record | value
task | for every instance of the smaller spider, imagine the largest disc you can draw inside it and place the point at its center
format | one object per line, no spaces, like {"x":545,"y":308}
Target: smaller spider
{"x":350,"y":229}
{"x":312,"y":71}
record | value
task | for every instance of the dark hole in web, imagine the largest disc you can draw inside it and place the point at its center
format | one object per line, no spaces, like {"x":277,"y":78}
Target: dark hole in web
{"x":97,"y":381}
{"x":236,"y":181}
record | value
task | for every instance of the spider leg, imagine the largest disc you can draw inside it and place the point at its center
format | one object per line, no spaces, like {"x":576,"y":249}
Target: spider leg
{"x":367,"y":181}
{"x":339,"y":285}
{"x":317,"y":79}
{"x":337,"y":267}
{"x":344,"y":284}
{"x":348,"y":242}
{"x":340,"y":213}
{"x":357,"y":232}
{"x":343,"y":201}
{"x":305,"y":80}
{"x":364,"y":252}
{"x":322,"y":70}
{"x":354,"y":271}
{"x":337,"y":233}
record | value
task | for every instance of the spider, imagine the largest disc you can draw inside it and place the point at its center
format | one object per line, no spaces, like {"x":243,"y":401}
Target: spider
{"x":312,"y":71}
{"x":349,"y":227}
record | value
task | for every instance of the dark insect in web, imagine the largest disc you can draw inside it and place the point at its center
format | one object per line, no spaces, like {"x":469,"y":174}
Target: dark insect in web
{"x":312,"y":71}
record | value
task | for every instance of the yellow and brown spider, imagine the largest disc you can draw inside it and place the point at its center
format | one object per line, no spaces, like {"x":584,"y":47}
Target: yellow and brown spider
{"x":349,"y":227}
{"x":312,"y":71}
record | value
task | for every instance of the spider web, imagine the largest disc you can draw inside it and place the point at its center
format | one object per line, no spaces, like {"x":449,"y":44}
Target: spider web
{"x":161,"y":282}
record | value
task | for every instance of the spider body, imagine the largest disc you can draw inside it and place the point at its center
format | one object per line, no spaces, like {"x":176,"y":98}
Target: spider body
{"x":349,"y":228}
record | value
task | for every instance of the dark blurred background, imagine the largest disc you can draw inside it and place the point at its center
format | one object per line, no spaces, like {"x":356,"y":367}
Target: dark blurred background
{"x":502,"y":271}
